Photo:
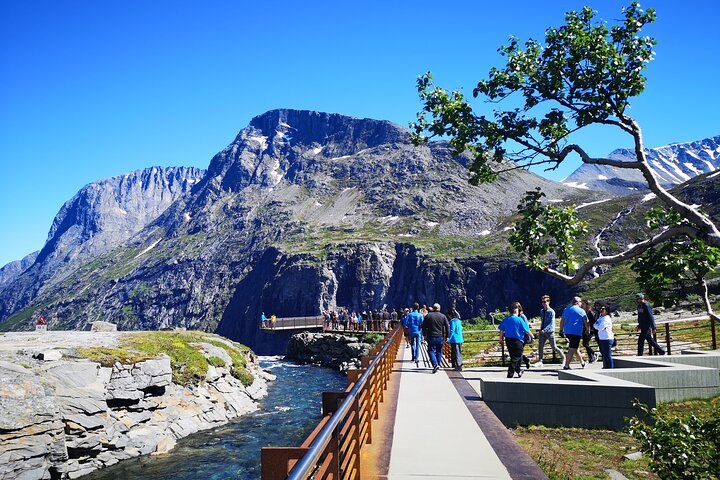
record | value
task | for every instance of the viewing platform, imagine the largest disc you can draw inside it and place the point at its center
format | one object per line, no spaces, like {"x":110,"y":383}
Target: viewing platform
{"x":400,"y":421}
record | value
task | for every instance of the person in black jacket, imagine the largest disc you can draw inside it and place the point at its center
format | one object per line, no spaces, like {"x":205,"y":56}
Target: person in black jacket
{"x":646,"y":324}
{"x":435,"y":328}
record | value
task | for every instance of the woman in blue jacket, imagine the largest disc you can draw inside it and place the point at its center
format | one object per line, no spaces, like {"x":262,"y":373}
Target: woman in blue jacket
{"x":455,"y":339}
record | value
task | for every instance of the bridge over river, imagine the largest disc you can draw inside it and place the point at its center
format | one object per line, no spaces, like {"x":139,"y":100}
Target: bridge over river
{"x":400,"y":421}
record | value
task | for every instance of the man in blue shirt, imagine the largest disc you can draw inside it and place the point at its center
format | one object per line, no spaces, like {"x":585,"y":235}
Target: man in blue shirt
{"x":512,"y":331}
{"x":413,"y":323}
{"x":574,"y":322}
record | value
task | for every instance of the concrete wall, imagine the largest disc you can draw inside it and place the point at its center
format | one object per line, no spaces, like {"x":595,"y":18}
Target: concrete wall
{"x":573,"y":403}
{"x":603,"y":398}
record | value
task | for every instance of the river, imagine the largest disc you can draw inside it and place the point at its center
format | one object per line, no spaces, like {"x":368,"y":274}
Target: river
{"x":286,"y":416}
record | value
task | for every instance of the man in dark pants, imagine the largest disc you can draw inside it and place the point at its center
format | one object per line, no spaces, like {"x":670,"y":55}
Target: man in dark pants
{"x":436,"y":329}
{"x":646,"y":325}
{"x":512,"y":331}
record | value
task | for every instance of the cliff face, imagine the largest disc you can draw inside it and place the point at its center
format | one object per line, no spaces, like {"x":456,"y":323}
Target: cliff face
{"x":303,"y":211}
{"x":362,"y":276}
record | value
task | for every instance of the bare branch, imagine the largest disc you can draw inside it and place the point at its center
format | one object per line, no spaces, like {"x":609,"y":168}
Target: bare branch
{"x":632,"y":252}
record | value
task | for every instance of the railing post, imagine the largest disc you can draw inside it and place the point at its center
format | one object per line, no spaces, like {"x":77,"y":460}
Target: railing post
{"x":667,"y":338}
{"x":330,"y":402}
{"x":276,"y":462}
{"x":712,"y":332}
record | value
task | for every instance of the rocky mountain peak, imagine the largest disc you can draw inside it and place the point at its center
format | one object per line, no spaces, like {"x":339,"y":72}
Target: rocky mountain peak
{"x":343,"y":134}
{"x":104,"y":213}
{"x":673,"y":164}
{"x":263,"y":152}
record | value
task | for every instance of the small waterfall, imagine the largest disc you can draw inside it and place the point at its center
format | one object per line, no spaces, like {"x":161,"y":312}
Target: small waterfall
{"x":595,"y":271}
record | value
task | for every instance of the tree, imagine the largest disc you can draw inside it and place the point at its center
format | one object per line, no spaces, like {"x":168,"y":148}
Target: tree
{"x":583,"y":75}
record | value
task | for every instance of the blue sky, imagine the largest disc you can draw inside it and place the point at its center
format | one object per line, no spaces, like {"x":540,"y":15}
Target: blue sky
{"x":91,"y":89}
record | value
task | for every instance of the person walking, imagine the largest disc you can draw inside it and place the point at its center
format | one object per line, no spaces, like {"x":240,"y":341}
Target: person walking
{"x":646,"y":324}
{"x":521,"y":314}
{"x":574,"y":322}
{"x":512,"y":331}
{"x":413,"y":323}
{"x":603,"y":325}
{"x":547,"y":331}
{"x":455,"y":339}
{"x":589,"y":334}
{"x":436,"y":328}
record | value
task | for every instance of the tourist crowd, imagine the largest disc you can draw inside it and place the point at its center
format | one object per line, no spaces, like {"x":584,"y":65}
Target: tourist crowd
{"x":582,"y":322}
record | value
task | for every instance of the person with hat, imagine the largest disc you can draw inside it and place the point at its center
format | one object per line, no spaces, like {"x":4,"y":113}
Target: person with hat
{"x":646,"y":324}
{"x":436,"y":329}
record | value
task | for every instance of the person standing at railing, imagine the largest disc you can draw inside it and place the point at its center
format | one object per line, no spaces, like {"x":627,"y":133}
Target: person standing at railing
{"x":263,"y":320}
{"x":646,"y":325}
{"x":435,"y":328}
{"x":547,"y":330}
{"x":413,"y":323}
{"x":603,"y":325}
{"x":512,"y":331}
{"x":455,"y":339}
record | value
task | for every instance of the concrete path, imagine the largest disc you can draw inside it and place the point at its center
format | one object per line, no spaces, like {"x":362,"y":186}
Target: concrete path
{"x":435,"y":435}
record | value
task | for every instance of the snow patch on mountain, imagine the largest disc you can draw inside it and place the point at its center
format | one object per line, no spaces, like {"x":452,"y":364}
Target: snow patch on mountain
{"x":672,"y":165}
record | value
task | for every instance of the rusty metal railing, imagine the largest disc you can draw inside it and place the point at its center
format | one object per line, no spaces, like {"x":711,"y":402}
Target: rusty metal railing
{"x":332,"y":450}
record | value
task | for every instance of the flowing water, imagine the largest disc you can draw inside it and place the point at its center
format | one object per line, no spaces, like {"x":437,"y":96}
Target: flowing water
{"x":286,"y":417}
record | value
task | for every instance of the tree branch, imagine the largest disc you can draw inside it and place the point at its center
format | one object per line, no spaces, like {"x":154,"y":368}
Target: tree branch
{"x":632,"y":252}
{"x":710,"y":233}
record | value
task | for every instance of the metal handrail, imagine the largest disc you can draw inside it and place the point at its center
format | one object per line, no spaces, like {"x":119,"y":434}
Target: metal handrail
{"x":309,"y":461}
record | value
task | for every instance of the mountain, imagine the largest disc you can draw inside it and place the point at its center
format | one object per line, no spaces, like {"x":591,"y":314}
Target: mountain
{"x":673,"y":165}
{"x":101,"y":216}
{"x":10,"y":272}
{"x":306,"y":211}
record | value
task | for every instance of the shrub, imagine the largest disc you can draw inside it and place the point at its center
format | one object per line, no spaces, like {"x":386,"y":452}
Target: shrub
{"x":216,"y":361}
{"x":679,"y":447}
{"x":244,"y":375}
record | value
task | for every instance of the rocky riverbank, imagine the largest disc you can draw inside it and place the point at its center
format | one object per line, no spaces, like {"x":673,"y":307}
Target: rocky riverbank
{"x":62,"y":416}
{"x":342,"y":352}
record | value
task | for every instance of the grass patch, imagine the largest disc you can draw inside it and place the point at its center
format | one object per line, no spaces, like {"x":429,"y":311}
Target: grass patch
{"x":618,"y":284}
{"x":216,"y":361}
{"x":189,"y":365}
{"x":108,"y":356}
{"x":572,"y":453}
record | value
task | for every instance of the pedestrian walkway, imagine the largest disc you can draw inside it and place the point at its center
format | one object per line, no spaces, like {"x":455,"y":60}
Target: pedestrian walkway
{"x":435,"y":434}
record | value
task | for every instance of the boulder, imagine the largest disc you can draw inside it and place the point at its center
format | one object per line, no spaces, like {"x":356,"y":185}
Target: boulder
{"x":48,"y":355}
{"x":103,"y":327}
